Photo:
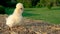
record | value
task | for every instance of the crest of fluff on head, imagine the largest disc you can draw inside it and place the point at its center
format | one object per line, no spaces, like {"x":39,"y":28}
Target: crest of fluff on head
{"x":19,"y":5}
{"x":19,"y":8}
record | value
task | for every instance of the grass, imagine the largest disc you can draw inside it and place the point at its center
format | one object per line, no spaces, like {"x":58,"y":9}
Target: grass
{"x":52,"y":16}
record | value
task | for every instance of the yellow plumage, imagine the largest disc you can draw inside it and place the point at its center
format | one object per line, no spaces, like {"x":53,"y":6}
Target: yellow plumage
{"x":16,"y":18}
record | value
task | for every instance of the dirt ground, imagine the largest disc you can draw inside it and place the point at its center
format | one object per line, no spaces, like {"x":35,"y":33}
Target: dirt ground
{"x":29,"y":27}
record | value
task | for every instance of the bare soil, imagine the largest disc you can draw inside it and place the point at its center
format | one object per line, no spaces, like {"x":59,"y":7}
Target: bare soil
{"x":29,"y":27}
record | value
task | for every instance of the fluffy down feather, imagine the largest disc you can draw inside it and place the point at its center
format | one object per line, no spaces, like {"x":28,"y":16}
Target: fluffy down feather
{"x":16,"y":18}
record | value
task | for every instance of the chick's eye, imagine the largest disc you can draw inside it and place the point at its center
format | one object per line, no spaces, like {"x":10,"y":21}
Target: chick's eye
{"x":21,"y":8}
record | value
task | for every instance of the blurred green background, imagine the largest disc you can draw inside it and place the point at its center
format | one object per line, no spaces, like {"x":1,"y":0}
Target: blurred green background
{"x":47,"y":10}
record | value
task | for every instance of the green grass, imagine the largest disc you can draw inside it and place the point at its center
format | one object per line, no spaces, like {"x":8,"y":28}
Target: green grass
{"x":52,"y":16}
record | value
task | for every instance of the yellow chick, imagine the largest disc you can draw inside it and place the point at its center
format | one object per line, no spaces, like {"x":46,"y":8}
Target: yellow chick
{"x":16,"y":18}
